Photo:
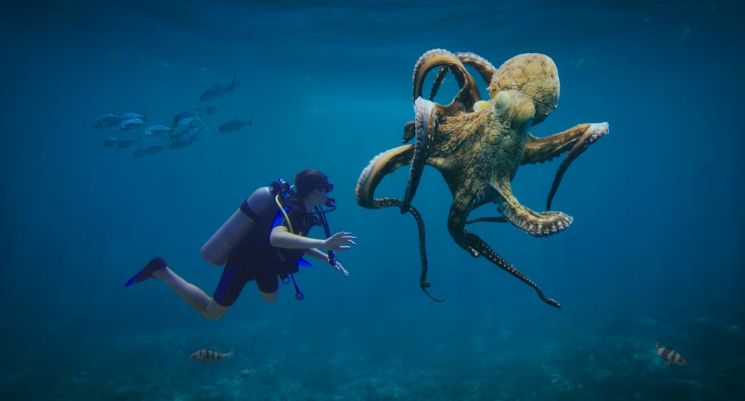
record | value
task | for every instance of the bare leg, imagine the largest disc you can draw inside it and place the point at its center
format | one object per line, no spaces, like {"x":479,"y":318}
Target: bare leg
{"x":269,"y":297}
{"x":191,"y":294}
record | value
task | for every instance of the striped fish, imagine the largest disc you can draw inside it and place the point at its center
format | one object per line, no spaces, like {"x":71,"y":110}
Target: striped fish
{"x":670,"y":356}
{"x":206,"y":356}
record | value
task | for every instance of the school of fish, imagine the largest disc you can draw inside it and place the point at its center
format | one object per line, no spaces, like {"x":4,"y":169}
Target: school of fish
{"x":131,"y":129}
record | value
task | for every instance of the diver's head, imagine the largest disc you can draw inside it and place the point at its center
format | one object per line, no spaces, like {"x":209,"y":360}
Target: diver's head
{"x":312,"y":187}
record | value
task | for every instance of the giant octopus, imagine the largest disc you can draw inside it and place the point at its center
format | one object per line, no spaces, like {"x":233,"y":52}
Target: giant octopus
{"x":477,"y":145}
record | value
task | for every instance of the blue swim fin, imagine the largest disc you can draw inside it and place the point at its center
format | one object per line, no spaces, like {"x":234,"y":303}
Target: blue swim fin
{"x":147,"y":271}
{"x":304,"y":263}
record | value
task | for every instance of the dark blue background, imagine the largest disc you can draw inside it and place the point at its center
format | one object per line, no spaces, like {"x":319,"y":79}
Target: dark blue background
{"x":654,"y":251}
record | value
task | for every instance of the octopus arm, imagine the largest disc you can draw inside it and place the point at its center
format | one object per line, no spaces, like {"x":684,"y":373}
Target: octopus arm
{"x":445,"y":60}
{"x":439,"y":79}
{"x":574,"y":140}
{"x":482,"y":65}
{"x":477,"y":247}
{"x":380,"y":166}
{"x":522,"y":217}
{"x":496,"y":219}
{"x":425,"y":124}
{"x":486,"y":251}
{"x":540,"y":150}
{"x":409,"y":131}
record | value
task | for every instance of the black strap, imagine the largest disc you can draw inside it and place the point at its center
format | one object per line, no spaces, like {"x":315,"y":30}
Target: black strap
{"x":298,"y":294}
{"x":248,"y":211}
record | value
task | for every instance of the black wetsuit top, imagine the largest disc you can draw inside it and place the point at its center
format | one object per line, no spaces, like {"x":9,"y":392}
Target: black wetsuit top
{"x":254,"y":258}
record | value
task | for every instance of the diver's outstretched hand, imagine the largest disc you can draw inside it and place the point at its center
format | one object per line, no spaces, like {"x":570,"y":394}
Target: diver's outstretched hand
{"x":340,"y":241}
{"x":338,"y":266}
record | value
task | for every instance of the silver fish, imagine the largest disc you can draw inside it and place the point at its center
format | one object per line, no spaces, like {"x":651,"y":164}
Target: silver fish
{"x":155,"y":149}
{"x":188,"y":125}
{"x":131,"y":124}
{"x":156,"y":131}
{"x":106,"y":121}
{"x":206,"y":356}
{"x":125,"y":143}
{"x":234,"y":125}
{"x":182,"y":142}
{"x":109,"y":142}
{"x":140,"y":152}
{"x":200,"y":112}
{"x":218,"y":90}
{"x":129,"y":116}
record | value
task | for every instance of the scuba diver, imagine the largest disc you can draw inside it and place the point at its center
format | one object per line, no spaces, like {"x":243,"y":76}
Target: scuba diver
{"x":264,"y":240}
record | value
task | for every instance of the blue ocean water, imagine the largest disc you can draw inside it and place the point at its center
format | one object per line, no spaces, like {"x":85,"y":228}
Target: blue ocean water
{"x":653,"y":253}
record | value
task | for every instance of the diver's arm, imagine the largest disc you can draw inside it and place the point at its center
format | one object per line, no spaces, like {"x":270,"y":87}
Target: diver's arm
{"x":282,"y":238}
{"x":317,"y":253}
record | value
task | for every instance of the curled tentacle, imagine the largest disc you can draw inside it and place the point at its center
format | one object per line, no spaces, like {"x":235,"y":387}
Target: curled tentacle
{"x":468,"y":93}
{"x":484,"y":249}
{"x":425,"y":124}
{"x":380,"y":166}
{"x":593,"y":132}
{"x":439,"y":78}
{"x":482,"y":65}
{"x":530,"y":221}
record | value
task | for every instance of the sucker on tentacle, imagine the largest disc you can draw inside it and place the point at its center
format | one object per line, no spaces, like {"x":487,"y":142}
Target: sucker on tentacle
{"x":439,"y":79}
{"x":532,"y":222}
{"x":425,"y":124}
{"x":484,"y":249}
{"x":482,"y":65}
{"x":378,"y":167}
{"x":593,"y":132}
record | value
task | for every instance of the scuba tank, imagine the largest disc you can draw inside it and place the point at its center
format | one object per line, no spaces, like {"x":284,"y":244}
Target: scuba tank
{"x":217,"y":249}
